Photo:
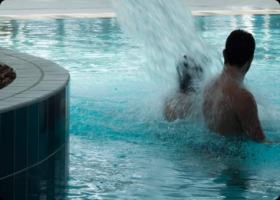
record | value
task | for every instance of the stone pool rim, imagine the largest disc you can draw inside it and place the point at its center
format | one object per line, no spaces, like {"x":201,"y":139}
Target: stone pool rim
{"x":37,"y":79}
{"x":113,"y":15}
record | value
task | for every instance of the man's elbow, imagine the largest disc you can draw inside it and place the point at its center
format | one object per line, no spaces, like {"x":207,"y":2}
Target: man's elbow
{"x":169,"y":114}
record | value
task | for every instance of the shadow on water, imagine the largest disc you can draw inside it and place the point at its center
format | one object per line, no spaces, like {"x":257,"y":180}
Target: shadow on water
{"x":235,"y":184}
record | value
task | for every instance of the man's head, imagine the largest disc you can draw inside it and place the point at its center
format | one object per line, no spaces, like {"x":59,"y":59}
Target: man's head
{"x":240,"y":48}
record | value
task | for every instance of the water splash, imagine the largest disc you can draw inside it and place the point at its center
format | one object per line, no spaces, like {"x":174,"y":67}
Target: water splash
{"x":166,"y":31}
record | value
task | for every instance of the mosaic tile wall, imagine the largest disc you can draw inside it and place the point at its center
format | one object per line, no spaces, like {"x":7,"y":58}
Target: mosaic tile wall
{"x":34,"y":149}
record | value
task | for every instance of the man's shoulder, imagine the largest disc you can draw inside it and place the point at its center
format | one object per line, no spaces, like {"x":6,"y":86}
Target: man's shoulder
{"x":238,"y":92}
{"x":244,"y":94}
{"x":243,"y":99}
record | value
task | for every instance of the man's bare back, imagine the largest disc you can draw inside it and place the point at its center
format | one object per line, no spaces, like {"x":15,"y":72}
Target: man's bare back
{"x":230,"y":109}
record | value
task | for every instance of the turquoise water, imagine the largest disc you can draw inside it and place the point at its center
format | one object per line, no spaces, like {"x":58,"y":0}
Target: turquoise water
{"x":121,"y":148}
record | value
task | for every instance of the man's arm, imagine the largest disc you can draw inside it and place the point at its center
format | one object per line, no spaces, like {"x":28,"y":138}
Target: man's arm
{"x":169,"y":113}
{"x":177,"y":108}
{"x":247,"y":113}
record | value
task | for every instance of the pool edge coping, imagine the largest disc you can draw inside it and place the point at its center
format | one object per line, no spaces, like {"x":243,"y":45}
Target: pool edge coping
{"x":113,"y":15}
{"x":37,"y":79}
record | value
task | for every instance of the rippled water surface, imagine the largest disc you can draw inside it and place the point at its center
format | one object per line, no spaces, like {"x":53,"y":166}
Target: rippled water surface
{"x":121,"y":148}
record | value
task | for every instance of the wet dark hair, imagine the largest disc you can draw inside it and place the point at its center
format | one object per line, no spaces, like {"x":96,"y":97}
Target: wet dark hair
{"x":240,"y":47}
{"x":187,"y":75}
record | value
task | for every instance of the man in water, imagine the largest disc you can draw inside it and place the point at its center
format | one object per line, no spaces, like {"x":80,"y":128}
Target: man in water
{"x":228,"y":107}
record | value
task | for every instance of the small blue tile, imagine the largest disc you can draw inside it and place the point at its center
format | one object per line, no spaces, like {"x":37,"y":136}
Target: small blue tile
{"x":57,"y":175}
{"x":51,"y":126}
{"x":63,"y":115}
{"x":21,"y":139}
{"x":21,"y":153}
{"x":7,"y":143}
{"x":67,"y":150}
{"x":43,"y":180}
{"x":33,"y":134}
{"x":51,"y":177}
{"x":61,"y":103}
{"x":7,"y":188}
{"x":33,"y":184}
{"x":21,"y":185}
{"x":67,"y":111}
{"x":62,"y":170}
{"x":43,"y":130}
{"x":60,"y":119}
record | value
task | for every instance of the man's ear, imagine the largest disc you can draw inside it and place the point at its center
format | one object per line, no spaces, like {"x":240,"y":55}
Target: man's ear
{"x":251,"y":59}
{"x":224,"y":53}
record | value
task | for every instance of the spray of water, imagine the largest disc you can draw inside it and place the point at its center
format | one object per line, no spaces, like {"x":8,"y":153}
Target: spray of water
{"x":165,"y":32}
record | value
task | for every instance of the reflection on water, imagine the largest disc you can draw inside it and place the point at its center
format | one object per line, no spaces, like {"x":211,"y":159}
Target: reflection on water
{"x":120,"y":146}
{"x":236,"y":185}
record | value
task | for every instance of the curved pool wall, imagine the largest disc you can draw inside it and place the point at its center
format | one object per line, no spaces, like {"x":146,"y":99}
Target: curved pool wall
{"x":34,"y":129}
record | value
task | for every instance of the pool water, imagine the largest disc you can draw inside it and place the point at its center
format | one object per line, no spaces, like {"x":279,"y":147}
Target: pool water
{"x":120,"y":146}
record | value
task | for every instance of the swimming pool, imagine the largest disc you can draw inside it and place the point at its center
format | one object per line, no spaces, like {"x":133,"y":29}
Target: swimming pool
{"x":120,"y":146}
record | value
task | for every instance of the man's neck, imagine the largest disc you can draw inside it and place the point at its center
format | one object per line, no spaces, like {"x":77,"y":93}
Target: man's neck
{"x":232,"y":73}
